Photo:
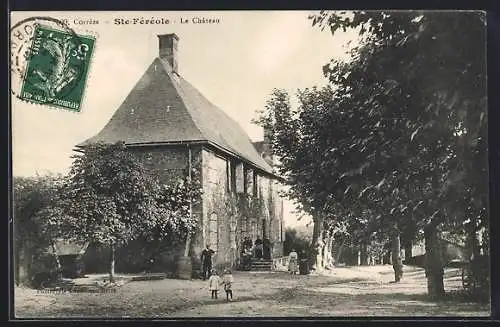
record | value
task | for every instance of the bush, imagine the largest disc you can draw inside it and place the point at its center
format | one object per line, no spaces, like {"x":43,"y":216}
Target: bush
{"x":30,"y":196}
{"x":294,"y":241}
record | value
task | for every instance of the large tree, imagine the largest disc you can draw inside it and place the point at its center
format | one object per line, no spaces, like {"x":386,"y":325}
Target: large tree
{"x":388,"y":137}
{"x":33,"y":234}
{"x":437,"y":89}
{"x":112,"y":198}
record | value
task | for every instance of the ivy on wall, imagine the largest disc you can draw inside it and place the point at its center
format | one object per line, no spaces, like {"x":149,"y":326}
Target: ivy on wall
{"x":233,"y":213}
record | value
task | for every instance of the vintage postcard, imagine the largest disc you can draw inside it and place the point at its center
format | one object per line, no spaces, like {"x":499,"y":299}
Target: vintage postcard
{"x":249,"y":164}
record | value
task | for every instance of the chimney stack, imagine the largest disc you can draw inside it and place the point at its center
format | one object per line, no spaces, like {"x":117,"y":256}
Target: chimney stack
{"x":168,"y":49}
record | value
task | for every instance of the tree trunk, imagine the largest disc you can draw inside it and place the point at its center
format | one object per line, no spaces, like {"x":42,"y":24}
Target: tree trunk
{"x":327,"y":251}
{"x":188,"y":245}
{"x":58,"y":262}
{"x":17,"y":262}
{"x":316,"y":241}
{"x":408,"y":250}
{"x":56,"y":257}
{"x":433,"y":264}
{"x":26,"y":273}
{"x":320,"y":244}
{"x":21,"y":263}
{"x":408,"y":235}
{"x":112,"y":265}
{"x":397,"y":263}
{"x":472,"y":241}
{"x":364,"y":254}
{"x":339,"y":251}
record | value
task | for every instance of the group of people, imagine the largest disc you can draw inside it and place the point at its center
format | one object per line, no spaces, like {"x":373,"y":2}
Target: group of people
{"x":260,"y":249}
{"x":214,"y":281}
{"x":227,"y":280}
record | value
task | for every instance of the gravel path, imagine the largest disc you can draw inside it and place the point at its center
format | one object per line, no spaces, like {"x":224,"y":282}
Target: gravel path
{"x":356,"y":291}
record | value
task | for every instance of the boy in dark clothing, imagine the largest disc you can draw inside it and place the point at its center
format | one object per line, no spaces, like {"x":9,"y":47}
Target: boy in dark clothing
{"x":206,"y":261}
{"x":267,"y":249}
{"x":258,"y":248}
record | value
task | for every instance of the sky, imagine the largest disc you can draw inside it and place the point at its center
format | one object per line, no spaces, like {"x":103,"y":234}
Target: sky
{"x":235,"y":64}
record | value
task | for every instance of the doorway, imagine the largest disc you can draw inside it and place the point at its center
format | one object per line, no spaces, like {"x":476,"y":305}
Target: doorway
{"x":264,"y":229}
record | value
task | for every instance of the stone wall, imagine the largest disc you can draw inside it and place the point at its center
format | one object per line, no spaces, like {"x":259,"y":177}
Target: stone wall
{"x":272,"y":214}
{"x":170,"y":165}
{"x":214,"y":182}
{"x":223,"y":213}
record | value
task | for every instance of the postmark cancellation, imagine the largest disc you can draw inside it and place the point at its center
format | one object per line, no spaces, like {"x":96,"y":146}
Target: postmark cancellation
{"x":52,"y":64}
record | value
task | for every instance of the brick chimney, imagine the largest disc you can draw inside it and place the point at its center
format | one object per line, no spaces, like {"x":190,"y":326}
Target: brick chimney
{"x":168,"y":49}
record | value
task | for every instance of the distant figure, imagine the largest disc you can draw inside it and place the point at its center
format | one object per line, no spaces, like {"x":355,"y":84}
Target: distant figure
{"x":303,"y":263}
{"x":258,"y":248}
{"x":267,"y":249}
{"x":293,"y":266}
{"x":247,"y":243}
{"x":206,"y":261}
{"x":214,"y":283}
{"x":246,"y":259}
{"x":227,"y":281}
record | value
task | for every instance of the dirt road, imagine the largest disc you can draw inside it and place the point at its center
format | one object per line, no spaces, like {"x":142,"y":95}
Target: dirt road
{"x":356,"y":291}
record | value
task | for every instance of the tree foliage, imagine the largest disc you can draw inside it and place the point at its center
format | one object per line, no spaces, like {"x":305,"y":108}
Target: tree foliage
{"x":32,"y":199}
{"x":112,"y":198}
{"x":398,"y":138}
{"x":295,"y":241}
{"x":424,"y":93}
{"x":109,"y":198}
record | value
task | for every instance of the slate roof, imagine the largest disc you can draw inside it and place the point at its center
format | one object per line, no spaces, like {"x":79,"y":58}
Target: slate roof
{"x":259,"y":146}
{"x":163,"y":108}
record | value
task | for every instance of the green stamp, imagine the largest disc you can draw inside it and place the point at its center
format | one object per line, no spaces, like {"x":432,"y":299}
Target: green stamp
{"x":57,"y":67}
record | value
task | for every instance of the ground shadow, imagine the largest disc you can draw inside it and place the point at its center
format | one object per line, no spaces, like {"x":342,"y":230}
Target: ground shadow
{"x":390,"y":304}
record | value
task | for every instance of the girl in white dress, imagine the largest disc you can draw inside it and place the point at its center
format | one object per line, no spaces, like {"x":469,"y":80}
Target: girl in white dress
{"x":293,"y":265}
{"x":214,"y":283}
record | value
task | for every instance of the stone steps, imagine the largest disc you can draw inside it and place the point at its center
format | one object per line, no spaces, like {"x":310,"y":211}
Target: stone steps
{"x":264,"y":265}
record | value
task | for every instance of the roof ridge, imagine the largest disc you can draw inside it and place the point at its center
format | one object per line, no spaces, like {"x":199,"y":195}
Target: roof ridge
{"x":169,"y":71}
{"x":182,"y":86}
{"x":163,"y":107}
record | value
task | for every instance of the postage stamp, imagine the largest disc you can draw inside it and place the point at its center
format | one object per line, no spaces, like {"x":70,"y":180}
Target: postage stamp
{"x":57,"y":67}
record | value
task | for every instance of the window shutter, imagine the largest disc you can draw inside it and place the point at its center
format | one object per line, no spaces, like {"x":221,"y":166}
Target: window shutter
{"x":240,"y":178}
{"x":249,"y":181}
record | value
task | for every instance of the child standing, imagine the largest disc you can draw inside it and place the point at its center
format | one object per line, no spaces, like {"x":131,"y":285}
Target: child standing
{"x":228,"y":280}
{"x":214,"y":283}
